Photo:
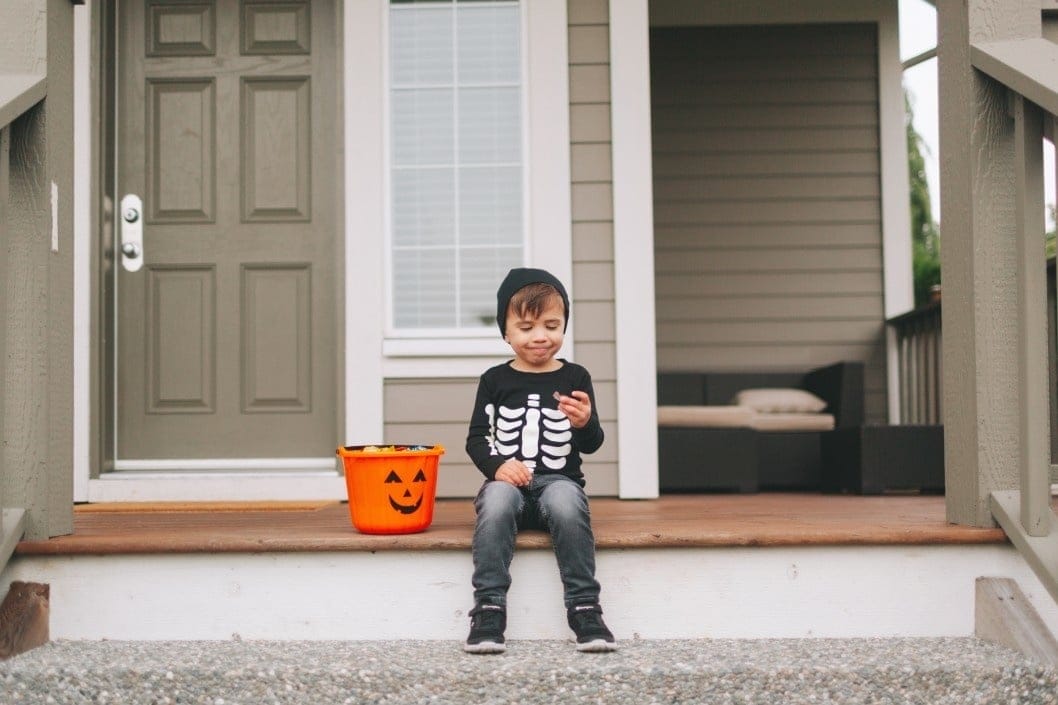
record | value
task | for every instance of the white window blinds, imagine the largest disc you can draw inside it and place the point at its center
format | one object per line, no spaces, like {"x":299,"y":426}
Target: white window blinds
{"x":456,"y":161}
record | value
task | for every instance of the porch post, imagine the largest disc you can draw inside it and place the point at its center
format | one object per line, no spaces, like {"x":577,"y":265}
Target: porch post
{"x":57,"y":492}
{"x":5,"y":166}
{"x":1032,"y":321}
{"x":978,"y":257}
{"x":633,"y":224}
{"x":38,"y":287}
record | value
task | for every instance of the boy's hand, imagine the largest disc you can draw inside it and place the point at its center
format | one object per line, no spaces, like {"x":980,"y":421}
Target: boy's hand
{"x":576,"y":407}
{"x":515,"y":472}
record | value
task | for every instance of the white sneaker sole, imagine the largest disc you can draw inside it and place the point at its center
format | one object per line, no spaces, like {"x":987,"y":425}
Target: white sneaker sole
{"x":485,"y":647}
{"x":597,"y":646}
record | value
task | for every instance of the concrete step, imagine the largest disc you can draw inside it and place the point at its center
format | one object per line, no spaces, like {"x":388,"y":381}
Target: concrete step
{"x":937,"y":671}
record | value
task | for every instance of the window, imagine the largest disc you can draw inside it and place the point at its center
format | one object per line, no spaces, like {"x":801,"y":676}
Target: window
{"x":457,"y":167}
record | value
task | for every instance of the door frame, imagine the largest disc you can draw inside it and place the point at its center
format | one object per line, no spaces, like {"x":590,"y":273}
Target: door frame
{"x":97,"y":476}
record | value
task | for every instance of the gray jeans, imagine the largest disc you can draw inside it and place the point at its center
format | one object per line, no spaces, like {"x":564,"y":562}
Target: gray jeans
{"x":554,"y":503}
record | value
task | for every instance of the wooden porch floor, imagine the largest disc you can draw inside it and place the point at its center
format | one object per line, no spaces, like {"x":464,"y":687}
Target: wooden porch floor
{"x":672,"y":521}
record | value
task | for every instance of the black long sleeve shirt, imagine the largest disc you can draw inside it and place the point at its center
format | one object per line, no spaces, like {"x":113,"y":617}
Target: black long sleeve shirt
{"x":516,"y":416}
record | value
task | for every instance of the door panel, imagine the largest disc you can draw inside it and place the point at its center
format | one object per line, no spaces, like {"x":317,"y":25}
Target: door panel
{"x":226,"y":127}
{"x":181,"y":308}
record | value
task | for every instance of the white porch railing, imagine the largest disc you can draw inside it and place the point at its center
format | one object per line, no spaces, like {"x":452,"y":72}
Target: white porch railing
{"x":19,"y":93}
{"x":1029,"y":70}
{"x":919,"y":344}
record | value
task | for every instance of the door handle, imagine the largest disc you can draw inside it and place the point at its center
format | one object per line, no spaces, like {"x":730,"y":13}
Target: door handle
{"x":131,"y":232}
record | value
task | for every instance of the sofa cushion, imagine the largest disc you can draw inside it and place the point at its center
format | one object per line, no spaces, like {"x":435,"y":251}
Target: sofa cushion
{"x":780,"y":401}
{"x":705,"y":416}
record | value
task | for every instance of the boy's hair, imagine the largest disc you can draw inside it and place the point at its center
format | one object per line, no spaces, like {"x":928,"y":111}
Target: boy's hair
{"x":530,"y":301}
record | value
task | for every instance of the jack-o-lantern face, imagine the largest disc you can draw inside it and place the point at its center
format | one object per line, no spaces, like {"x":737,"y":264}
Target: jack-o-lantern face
{"x":404,"y":507}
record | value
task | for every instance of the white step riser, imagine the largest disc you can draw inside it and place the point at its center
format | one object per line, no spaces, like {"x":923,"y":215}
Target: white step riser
{"x":649,"y":593}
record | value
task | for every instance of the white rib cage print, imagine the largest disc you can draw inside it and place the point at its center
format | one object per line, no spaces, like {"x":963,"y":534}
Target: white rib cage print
{"x":532,"y":432}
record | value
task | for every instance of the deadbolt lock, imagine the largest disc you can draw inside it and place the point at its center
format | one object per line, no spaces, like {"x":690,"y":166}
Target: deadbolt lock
{"x":131,"y":233}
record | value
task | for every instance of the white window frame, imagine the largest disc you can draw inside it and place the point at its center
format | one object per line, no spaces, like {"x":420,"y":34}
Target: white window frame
{"x":546,"y":199}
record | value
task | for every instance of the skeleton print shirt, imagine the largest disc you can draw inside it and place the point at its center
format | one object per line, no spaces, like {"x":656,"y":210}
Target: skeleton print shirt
{"x":516,"y":416}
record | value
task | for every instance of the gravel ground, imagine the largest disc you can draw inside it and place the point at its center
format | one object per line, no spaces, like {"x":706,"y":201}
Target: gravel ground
{"x":819,"y":671}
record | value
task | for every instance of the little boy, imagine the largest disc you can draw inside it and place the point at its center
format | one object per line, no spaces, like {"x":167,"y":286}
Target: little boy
{"x":533,"y":417}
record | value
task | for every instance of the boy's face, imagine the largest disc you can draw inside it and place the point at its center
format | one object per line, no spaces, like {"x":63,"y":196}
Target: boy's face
{"x":536,"y":341}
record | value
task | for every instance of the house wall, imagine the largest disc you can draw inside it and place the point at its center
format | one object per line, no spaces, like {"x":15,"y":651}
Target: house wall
{"x":767,"y":199}
{"x":437,"y":410}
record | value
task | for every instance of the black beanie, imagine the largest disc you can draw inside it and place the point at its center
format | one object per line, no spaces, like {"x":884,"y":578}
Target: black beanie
{"x":522,"y":277}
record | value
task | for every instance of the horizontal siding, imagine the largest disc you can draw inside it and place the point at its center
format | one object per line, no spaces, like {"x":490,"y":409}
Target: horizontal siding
{"x":768,"y":235}
{"x":718,"y":90}
{"x":800,"y":42}
{"x":592,"y":201}
{"x":589,"y":44}
{"x":750,"y":140}
{"x":594,"y":281}
{"x":589,"y":83}
{"x":594,"y":325}
{"x":739,"y":358}
{"x":768,"y":308}
{"x":682,"y":189}
{"x":603,"y":360}
{"x":769,"y":332}
{"x":592,"y":208}
{"x":593,"y":242}
{"x":591,"y":163}
{"x":589,"y":122}
{"x":767,"y":200}
{"x":807,"y":67}
{"x":779,"y":260}
{"x":758,"y":210}
{"x":588,"y":12}
{"x":764,"y":165}
{"x":673,"y":287}
{"x":429,"y":400}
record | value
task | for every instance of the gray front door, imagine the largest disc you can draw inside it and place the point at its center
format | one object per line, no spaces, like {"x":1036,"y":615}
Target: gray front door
{"x":227,"y":121}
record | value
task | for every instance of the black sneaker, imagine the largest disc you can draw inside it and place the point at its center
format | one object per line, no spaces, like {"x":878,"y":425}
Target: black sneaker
{"x":487,"y":623}
{"x":592,"y":634}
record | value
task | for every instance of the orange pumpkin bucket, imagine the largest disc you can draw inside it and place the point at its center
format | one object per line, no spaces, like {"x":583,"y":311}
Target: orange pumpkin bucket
{"x":391,"y":488}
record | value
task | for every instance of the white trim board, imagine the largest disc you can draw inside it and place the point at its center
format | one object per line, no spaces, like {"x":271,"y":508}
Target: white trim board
{"x":798,"y":592}
{"x":141,"y":486}
{"x":82,"y":242}
{"x":362,"y":48}
{"x":228,"y":464}
{"x":633,"y":215}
